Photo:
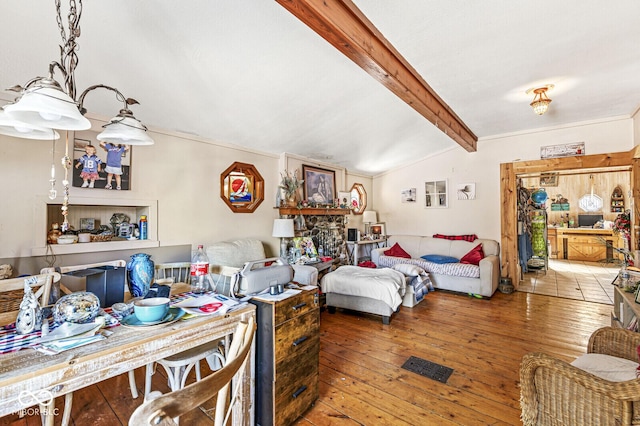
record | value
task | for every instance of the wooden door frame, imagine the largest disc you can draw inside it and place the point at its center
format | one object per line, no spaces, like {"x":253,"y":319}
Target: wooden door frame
{"x":510,"y":266}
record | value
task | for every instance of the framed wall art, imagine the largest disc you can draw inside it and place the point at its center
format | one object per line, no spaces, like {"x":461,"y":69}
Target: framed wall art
{"x":549,"y":179}
{"x":100,"y":165}
{"x":242,"y":187}
{"x":408,"y":195}
{"x":319,"y":185}
{"x":466,"y":191}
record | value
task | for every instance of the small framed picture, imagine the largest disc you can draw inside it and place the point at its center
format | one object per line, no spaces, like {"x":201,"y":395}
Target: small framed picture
{"x":549,"y":179}
{"x":344,"y":199}
{"x":378,"y":230}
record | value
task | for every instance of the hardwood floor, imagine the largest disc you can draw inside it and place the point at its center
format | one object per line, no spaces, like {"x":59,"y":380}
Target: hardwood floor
{"x":361,"y":379}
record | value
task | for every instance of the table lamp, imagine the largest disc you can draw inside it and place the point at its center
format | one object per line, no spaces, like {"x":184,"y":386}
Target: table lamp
{"x":283,"y":229}
{"x":369,"y":217}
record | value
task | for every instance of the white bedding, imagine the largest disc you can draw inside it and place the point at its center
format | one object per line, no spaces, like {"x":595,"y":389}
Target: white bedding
{"x":383,"y":284}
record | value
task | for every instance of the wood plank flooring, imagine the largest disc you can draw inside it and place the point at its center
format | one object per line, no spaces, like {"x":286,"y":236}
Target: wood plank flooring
{"x":361,"y":379}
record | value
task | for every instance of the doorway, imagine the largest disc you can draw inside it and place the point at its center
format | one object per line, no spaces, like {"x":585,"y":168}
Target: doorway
{"x":509,"y":172}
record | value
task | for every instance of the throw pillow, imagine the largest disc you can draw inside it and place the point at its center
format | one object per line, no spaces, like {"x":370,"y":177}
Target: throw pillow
{"x":607,"y":367}
{"x":438,"y":258}
{"x":397,"y":251}
{"x":474,"y":256}
{"x":408,"y":269}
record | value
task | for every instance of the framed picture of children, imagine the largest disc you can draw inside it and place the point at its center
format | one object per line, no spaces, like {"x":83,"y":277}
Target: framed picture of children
{"x":100,"y":165}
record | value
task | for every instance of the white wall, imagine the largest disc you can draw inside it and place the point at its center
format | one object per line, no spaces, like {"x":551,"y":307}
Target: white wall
{"x":482,"y":215}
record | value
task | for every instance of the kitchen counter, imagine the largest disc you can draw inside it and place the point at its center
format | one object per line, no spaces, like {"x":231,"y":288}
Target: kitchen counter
{"x":586,"y":244}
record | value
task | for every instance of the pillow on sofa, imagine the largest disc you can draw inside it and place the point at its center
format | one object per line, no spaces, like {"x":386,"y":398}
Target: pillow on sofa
{"x":438,"y":258}
{"x":408,"y":269}
{"x":397,"y":251}
{"x":474,"y":256}
{"x":607,"y":367}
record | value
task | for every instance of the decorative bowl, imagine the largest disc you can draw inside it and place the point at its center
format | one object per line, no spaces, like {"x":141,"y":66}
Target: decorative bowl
{"x":153,"y":309}
{"x":67,"y":239}
{"x":78,"y":307}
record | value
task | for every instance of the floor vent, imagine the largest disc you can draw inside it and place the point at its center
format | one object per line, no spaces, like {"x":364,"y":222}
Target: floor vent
{"x":428,"y":369}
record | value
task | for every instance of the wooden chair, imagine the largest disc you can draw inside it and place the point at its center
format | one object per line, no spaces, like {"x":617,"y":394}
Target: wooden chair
{"x":11,"y":293}
{"x":553,"y":392}
{"x":179,"y":271}
{"x":163,"y":409}
{"x":179,"y":366}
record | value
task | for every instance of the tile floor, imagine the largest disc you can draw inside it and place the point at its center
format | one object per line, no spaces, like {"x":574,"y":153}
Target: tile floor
{"x":589,"y":281}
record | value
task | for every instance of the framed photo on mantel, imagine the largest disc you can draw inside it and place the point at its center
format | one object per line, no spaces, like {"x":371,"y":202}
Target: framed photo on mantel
{"x":319,"y":185}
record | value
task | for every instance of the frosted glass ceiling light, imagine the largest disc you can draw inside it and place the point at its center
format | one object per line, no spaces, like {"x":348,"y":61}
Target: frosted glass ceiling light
{"x":125,"y":129}
{"x":18,"y":129}
{"x":46,"y":105}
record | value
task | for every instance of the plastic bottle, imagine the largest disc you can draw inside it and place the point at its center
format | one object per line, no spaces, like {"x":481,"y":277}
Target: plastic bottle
{"x":200,"y":278}
{"x":143,"y":227}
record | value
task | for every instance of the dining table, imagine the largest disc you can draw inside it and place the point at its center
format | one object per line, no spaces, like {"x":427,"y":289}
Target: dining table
{"x":28,"y":376}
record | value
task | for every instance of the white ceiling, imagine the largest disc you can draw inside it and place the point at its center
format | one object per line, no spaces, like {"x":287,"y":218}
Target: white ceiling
{"x":247,"y":72}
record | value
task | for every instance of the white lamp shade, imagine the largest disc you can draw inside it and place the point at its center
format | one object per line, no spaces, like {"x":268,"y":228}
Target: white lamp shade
{"x":283,"y":228}
{"x":19,"y":129}
{"x":369,"y":216}
{"x":125,"y":131}
{"x":48,"y":107}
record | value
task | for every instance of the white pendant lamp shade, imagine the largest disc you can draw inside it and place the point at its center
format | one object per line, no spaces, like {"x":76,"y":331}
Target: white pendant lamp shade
{"x":49,"y":107}
{"x":125,"y":131}
{"x":19,"y":129}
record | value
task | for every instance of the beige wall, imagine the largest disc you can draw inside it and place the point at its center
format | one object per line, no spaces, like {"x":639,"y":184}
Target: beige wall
{"x":482,"y":215}
{"x":181,"y":172}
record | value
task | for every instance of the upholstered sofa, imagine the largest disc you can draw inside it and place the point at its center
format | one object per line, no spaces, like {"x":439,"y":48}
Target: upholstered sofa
{"x":228,"y":257}
{"x":481,"y":280}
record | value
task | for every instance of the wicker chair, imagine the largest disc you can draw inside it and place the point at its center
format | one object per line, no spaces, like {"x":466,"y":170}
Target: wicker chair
{"x":553,"y":392}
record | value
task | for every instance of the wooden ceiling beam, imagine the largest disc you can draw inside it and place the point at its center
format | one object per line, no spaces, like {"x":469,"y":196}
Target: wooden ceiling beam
{"x":343,"y":25}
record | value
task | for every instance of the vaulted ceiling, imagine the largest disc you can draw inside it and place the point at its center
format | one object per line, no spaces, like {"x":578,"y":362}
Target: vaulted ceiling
{"x":248,"y":72}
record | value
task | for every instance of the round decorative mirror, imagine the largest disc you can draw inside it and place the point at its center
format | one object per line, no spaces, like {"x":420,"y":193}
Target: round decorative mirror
{"x":358,"y":198}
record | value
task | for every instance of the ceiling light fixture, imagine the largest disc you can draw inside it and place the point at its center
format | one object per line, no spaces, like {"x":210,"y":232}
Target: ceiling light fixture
{"x":43,"y":104}
{"x":541,"y":101}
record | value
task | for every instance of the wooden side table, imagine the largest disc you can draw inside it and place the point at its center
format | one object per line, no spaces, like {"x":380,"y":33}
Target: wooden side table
{"x":354,"y":246}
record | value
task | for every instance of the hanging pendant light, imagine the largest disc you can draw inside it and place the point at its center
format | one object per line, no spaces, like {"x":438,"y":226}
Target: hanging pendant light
{"x":125,"y":129}
{"x":46,"y":105}
{"x":19,"y":129}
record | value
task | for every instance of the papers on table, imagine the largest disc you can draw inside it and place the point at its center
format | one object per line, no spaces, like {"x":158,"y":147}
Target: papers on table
{"x":68,"y":336}
{"x":192,"y":305}
{"x":277,"y":297}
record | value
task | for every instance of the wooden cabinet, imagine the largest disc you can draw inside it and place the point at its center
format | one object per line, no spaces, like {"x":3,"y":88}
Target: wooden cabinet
{"x":287,"y":357}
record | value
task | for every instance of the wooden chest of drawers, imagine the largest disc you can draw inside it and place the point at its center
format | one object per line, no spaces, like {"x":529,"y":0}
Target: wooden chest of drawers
{"x":287,"y":357}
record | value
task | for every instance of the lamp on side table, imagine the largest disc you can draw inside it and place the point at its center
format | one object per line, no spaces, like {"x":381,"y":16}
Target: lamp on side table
{"x":283,"y":229}
{"x":369,"y":217}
